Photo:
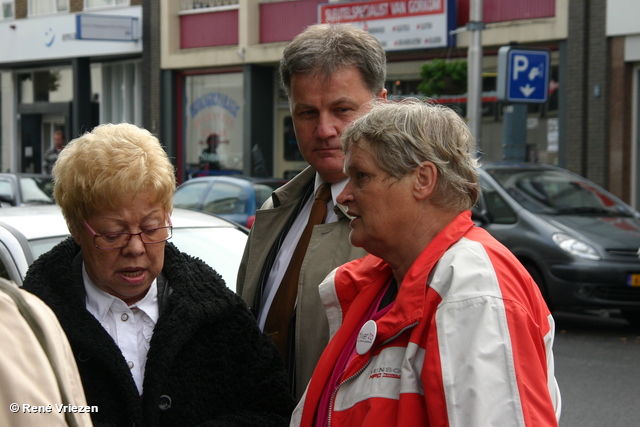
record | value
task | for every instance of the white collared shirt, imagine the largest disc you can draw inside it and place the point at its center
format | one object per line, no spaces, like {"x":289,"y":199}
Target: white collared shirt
{"x":289,"y":244}
{"x":131,"y":327}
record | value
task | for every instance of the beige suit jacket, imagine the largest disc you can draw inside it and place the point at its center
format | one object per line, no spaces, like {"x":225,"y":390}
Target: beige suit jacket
{"x":329,"y":248}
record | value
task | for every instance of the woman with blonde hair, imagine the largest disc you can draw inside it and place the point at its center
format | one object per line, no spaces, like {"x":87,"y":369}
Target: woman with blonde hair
{"x":158,"y":337}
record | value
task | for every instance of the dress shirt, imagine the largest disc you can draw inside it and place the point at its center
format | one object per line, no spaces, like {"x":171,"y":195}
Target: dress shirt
{"x":289,"y":244}
{"x":130,"y":327}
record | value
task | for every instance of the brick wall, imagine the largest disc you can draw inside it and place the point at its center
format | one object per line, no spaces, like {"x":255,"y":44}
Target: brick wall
{"x":20,"y":9}
{"x":586,"y":149}
{"x":575,"y":86}
{"x":597,"y":118}
{"x":76,"y":5}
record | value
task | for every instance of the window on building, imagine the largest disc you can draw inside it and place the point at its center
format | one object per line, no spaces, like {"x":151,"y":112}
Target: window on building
{"x":213,"y":106}
{"x":95,"y":4}
{"x":121,"y":93}
{"x":203,"y":4}
{"x":46,"y":7}
{"x":46,"y":85}
{"x":7,"y":10}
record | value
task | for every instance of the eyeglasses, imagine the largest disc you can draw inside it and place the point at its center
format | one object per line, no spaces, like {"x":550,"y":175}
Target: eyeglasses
{"x":120,"y":240}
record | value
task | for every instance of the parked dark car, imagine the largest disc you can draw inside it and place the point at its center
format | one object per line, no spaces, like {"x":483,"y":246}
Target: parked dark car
{"x":235,"y":198}
{"x":580,"y":243}
{"x":24,"y":189}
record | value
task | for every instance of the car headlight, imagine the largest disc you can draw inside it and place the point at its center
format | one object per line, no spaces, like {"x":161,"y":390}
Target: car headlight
{"x":575,"y":247}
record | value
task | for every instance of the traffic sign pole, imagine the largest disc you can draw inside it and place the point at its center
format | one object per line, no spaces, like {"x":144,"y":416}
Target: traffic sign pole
{"x":474,"y":74}
{"x":514,"y":133}
{"x":523,"y":78}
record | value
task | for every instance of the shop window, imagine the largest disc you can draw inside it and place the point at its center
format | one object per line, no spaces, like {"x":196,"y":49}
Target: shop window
{"x":402,"y":88}
{"x":53,"y":85}
{"x":47,"y":7}
{"x":95,"y":4}
{"x":7,"y":10}
{"x":213,"y":122}
{"x":121,"y":93}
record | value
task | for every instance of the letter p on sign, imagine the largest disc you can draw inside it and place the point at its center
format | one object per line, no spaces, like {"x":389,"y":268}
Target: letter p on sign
{"x":520,"y":63}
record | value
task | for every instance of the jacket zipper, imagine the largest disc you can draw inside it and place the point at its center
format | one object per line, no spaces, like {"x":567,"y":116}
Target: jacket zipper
{"x":335,"y":392}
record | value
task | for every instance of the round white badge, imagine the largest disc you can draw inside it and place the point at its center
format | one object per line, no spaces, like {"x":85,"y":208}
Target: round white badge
{"x":366,"y":337}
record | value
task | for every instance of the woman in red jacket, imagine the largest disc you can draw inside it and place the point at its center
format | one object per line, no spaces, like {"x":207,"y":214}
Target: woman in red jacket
{"x":440,"y":325}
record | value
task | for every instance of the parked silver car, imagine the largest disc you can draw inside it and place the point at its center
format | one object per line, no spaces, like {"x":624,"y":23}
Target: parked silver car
{"x":28,"y":232}
{"x":580,"y":243}
{"x":25,"y":189}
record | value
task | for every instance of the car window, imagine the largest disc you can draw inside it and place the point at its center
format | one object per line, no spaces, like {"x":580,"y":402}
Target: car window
{"x":6,"y":192}
{"x":37,"y":189}
{"x":8,"y":267}
{"x":189,"y":195}
{"x":224,"y":198}
{"x":263,"y":192}
{"x":496,"y":207}
{"x":4,"y":271}
{"x":557,"y":192}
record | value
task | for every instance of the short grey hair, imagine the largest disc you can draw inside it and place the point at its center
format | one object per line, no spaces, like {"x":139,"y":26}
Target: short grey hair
{"x":402,"y":135}
{"x":323,"y":49}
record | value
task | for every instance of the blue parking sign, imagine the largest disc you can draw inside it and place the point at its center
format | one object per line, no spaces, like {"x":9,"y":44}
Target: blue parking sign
{"x":523,"y":75}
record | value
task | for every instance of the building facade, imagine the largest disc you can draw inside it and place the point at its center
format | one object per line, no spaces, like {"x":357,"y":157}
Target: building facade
{"x":220,"y":58}
{"x":622,"y":57}
{"x":205,"y":70}
{"x":65,"y":65}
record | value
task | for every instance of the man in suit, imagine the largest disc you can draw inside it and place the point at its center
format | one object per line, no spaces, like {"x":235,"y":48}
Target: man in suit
{"x":330,"y":74}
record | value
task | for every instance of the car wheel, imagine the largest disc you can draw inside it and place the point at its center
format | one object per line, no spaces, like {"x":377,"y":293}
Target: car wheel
{"x":539,"y":279}
{"x":632,"y":316}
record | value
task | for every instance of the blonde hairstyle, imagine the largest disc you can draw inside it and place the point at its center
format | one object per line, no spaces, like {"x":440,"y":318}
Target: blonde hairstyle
{"x":402,"y":135}
{"x":104,"y":167}
{"x":323,"y":49}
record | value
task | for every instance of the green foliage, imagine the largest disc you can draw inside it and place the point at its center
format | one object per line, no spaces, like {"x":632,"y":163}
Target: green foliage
{"x":440,"y":77}
{"x":54,"y":80}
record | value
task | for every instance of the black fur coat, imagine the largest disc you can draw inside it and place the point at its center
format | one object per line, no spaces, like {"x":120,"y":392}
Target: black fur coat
{"x":208,"y":364}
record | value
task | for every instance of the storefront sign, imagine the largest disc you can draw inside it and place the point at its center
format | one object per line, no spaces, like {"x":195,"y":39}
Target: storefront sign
{"x":54,"y":37}
{"x":107,"y":27}
{"x":397,"y":24}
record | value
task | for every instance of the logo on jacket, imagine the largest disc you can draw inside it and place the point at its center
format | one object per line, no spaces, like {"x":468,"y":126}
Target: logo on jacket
{"x":385,"y":372}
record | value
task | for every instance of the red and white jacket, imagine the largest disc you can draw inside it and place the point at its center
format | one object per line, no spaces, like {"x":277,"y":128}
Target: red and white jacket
{"x":466,"y":344}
